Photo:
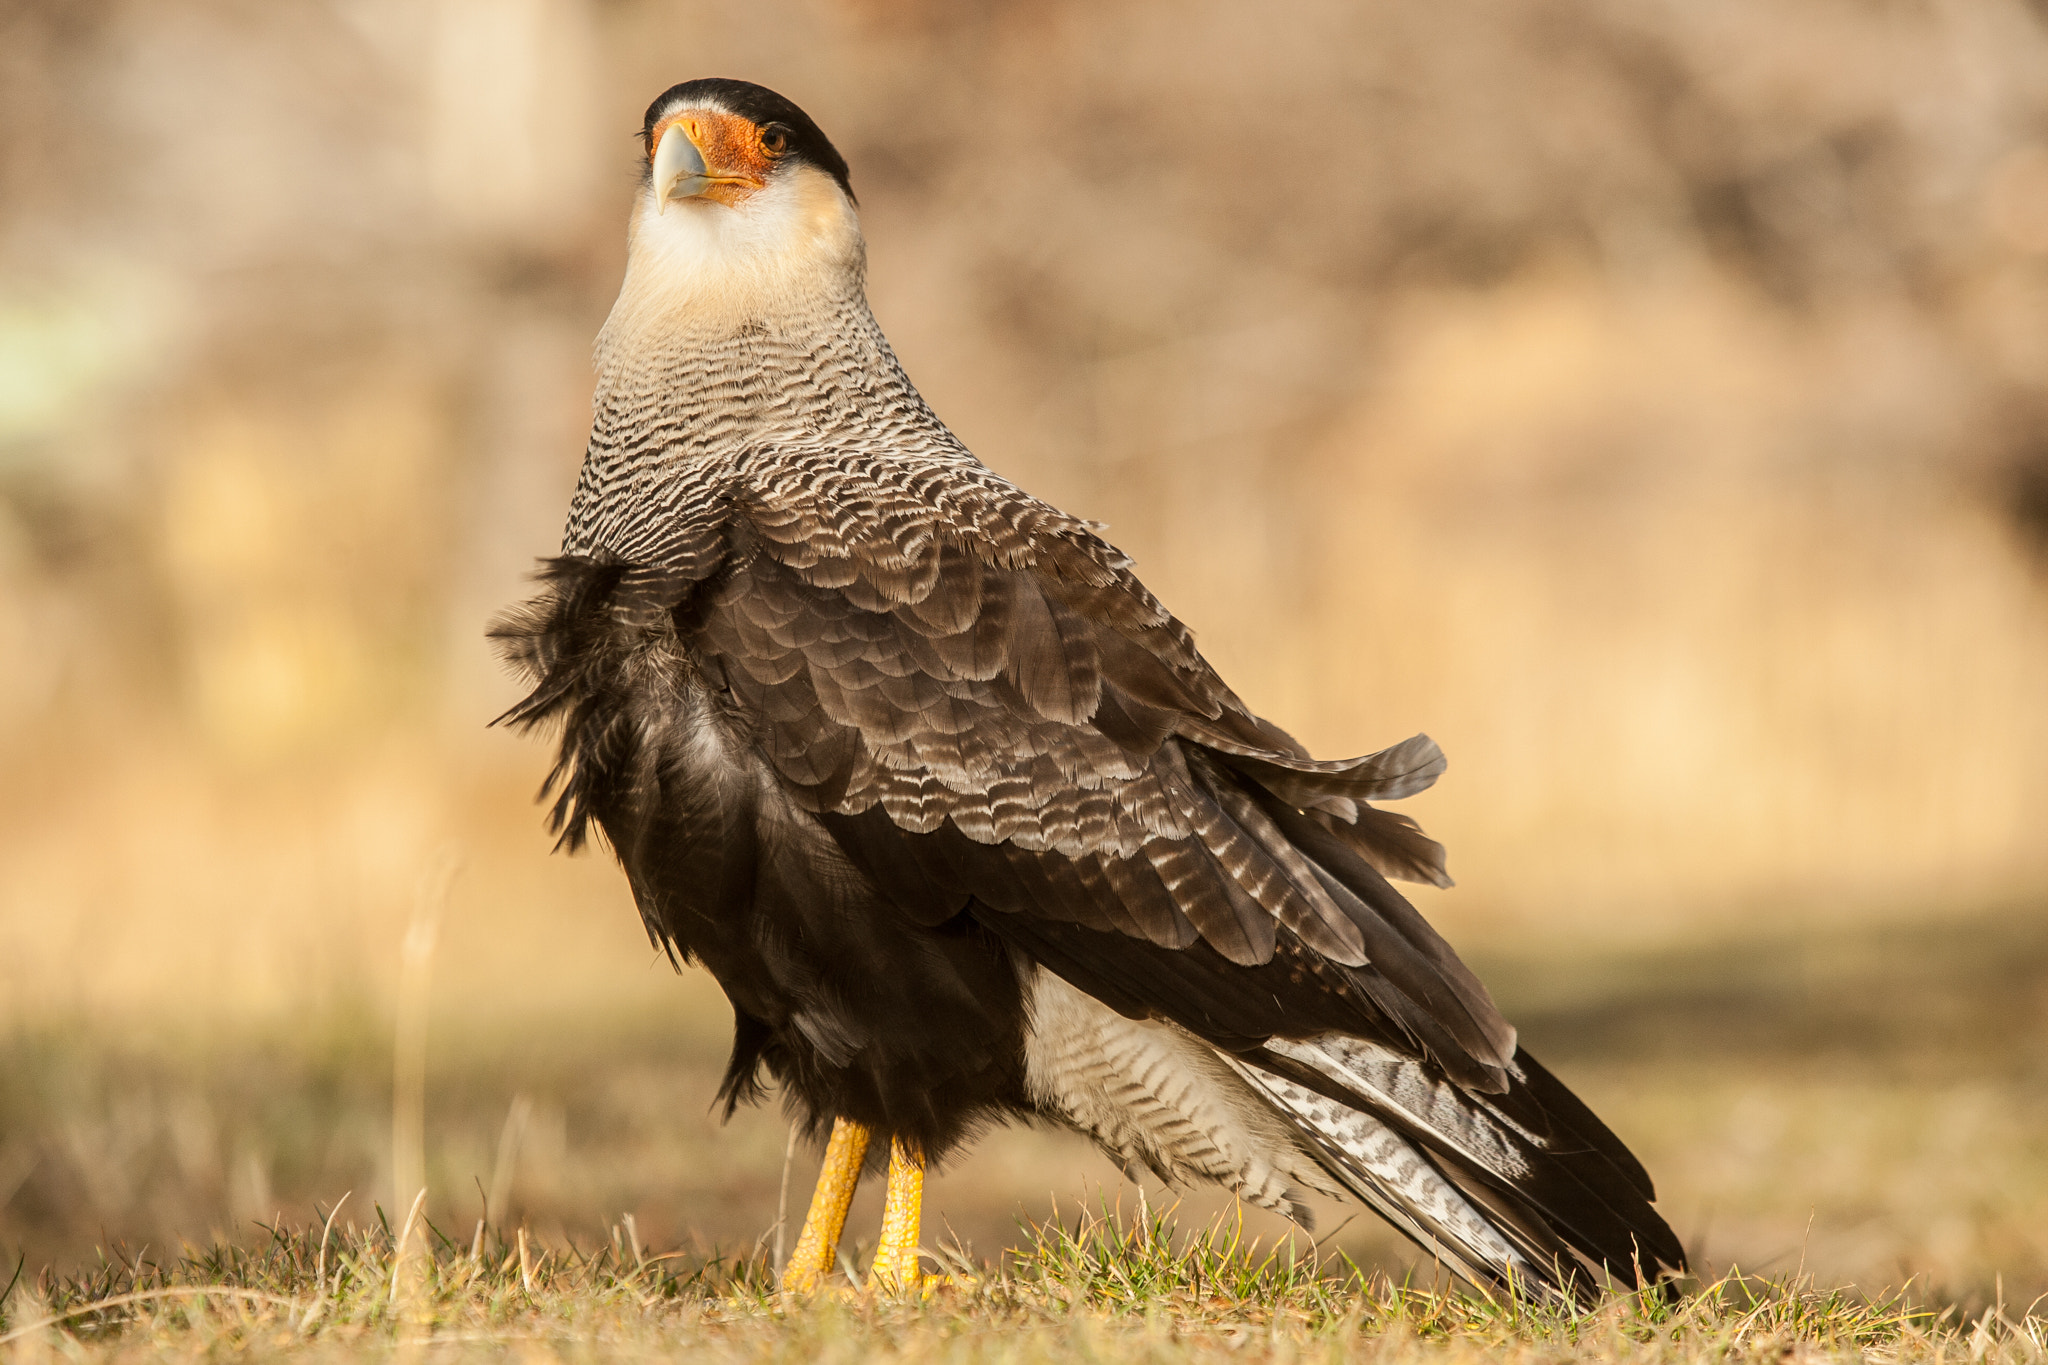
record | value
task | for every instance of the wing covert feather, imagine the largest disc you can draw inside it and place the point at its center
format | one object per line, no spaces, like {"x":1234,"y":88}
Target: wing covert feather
{"x":985,"y":705}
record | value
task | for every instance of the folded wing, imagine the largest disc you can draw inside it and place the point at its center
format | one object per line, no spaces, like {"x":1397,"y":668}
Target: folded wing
{"x":994,"y":718}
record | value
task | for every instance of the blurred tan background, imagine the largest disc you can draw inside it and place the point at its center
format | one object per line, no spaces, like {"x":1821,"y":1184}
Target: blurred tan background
{"x":1648,"y":400}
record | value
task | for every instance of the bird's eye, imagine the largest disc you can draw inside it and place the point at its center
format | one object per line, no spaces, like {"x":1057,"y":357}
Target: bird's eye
{"x":775,"y":139}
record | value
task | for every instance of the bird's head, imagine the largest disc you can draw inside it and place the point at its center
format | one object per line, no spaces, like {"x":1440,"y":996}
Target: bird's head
{"x":744,"y":199}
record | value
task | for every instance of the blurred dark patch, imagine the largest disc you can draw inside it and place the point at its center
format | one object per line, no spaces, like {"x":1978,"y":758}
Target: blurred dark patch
{"x":63,"y":530}
{"x":2017,"y":481}
{"x":1935,"y":1000}
{"x":1423,"y":246}
{"x":2027,"y":498}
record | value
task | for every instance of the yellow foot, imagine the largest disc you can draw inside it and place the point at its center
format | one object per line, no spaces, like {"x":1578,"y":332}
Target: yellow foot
{"x":817,"y":1248}
{"x":896,"y":1269}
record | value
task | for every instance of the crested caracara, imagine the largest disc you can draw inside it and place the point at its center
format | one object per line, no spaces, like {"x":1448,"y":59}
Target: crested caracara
{"x":954,"y":810}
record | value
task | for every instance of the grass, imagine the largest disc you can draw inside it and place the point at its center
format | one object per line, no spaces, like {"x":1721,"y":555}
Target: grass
{"x":1822,"y":1105}
{"x":1099,"y":1286}
{"x":1870,"y":1106}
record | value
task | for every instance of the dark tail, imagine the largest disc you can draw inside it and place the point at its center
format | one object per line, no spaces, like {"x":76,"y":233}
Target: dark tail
{"x":1525,"y":1191}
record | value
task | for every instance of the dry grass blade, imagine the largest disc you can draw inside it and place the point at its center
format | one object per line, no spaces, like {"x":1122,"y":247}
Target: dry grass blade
{"x":146,"y":1296}
{"x":1099,"y":1286}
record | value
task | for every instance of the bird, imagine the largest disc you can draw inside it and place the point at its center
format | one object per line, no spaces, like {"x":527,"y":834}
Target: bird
{"x":955,"y":812}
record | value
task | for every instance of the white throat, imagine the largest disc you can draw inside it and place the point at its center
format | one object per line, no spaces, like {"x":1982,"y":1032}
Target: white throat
{"x":791,"y":250}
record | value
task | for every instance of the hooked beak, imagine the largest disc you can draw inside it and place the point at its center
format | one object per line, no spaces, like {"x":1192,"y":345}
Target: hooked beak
{"x":680,"y":171}
{"x":678,"y":168}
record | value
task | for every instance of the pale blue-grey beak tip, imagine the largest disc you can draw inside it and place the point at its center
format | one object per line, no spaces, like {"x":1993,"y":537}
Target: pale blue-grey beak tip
{"x":678,"y":168}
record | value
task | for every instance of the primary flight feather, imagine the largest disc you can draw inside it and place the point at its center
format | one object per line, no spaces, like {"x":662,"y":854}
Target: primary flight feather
{"x":953,"y":808}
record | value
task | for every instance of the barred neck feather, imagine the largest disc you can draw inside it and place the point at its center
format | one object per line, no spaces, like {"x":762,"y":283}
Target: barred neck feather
{"x":737,"y":331}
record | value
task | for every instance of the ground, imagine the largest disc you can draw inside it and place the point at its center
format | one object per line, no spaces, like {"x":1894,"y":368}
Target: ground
{"x":1096,"y":1287}
{"x":1848,"y":1128}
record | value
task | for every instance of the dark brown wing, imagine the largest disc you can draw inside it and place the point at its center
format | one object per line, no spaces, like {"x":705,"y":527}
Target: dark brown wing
{"x":991,"y":713}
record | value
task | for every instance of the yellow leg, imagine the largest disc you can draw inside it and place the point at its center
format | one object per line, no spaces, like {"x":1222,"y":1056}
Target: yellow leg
{"x":818,"y":1246}
{"x":895,"y":1266}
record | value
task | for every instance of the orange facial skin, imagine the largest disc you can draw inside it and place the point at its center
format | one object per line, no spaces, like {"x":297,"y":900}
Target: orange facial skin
{"x":735,"y":161}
